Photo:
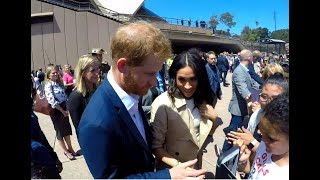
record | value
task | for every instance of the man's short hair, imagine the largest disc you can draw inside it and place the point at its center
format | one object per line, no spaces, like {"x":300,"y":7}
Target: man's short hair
{"x":256,"y":53}
{"x":138,"y":40}
{"x":211,"y":52}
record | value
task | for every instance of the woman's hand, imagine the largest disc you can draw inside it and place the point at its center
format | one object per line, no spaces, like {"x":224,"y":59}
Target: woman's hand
{"x":211,"y":113}
{"x":255,"y":106}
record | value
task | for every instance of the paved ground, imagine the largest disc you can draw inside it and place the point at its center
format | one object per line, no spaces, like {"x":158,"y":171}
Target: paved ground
{"x":77,"y":169}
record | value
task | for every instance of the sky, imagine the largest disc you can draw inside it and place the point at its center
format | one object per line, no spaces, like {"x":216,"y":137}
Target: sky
{"x":245,"y":12}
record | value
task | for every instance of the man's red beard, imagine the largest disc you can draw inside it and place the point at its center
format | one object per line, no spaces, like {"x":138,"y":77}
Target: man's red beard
{"x":130,"y":86}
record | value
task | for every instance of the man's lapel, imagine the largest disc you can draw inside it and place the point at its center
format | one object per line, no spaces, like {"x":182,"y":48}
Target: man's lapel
{"x":124,"y":115}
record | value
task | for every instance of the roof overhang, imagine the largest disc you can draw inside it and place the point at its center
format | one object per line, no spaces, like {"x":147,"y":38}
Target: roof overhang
{"x":41,"y":17}
{"x":270,"y":41}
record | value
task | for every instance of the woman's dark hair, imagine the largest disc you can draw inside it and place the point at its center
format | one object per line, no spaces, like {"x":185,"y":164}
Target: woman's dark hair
{"x":278,"y":79}
{"x":277,"y":113}
{"x":192,"y":59}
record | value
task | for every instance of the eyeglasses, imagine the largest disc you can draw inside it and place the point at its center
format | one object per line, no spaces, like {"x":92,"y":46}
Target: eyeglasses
{"x":265,"y":97}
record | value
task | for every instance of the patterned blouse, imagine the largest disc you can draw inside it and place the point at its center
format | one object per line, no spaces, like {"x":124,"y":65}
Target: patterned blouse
{"x":59,"y":93}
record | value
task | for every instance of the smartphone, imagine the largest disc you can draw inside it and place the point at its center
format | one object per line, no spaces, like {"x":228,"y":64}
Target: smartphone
{"x":255,"y":95}
{"x":217,"y":150}
{"x":226,"y":130}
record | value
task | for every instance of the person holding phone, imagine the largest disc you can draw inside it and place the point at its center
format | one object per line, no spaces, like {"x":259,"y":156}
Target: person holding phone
{"x":275,"y":85}
{"x":271,"y":159}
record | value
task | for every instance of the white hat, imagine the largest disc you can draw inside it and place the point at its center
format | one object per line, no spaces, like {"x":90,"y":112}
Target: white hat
{"x":98,"y":51}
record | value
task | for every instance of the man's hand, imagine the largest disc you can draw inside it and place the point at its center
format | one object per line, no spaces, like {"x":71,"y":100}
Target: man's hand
{"x":183,"y":171}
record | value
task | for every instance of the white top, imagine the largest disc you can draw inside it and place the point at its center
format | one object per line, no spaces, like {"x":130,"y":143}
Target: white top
{"x":130,"y":101}
{"x":57,"y":96}
{"x":195,"y":114}
{"x":254,"y":120}
{"x":263,"y":168}
{"x":257,"y":68}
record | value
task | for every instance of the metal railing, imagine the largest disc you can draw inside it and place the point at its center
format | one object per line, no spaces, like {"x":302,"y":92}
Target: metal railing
{"x":87,"y":6}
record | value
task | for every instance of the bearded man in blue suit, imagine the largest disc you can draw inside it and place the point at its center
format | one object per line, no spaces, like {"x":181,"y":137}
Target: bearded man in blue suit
{"x":114,"y":134}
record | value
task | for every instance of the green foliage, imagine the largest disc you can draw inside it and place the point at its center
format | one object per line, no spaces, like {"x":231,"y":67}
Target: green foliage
{"x":245,"y":33}
{"x":227,"y":19}
{"x":236,"y":36}
{"x":262,"y":32}
{"x":282,"y":34}
{"x":252,"y":35}
{"x":222,"y":32}
{"x":213,"y":21}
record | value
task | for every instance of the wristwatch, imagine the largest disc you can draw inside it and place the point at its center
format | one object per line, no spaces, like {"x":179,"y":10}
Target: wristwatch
{"x":252,"y":144}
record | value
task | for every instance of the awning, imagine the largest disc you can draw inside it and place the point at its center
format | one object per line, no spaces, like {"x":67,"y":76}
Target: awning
{"x":270,"y":41}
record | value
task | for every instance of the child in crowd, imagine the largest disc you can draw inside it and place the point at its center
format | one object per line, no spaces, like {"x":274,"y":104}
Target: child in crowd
{"x":271,"y":159}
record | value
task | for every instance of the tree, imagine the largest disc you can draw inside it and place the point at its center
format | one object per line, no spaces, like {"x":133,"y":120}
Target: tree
{"x":262,"y":32}
{"x":222,"y":32}
{"x":227,"y":19}
{"x":246,"y":31}
{"x":213,"y":22}
{"x":282,"y":34}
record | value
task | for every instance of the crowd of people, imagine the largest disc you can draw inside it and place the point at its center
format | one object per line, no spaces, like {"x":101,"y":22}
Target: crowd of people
{"x":148,"y":114}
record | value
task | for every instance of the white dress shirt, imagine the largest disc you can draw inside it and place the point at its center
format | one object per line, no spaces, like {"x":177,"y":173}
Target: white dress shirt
{"x":130,"y":101}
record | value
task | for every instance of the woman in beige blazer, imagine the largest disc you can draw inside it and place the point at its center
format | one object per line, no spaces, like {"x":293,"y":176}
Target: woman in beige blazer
{"x":182,"y":117}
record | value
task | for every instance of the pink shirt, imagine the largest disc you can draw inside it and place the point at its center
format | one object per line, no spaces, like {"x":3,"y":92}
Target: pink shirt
{"x":68,"y":78}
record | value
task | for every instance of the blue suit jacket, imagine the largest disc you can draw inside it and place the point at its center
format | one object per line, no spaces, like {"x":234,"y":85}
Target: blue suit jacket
{"x":222,"y":63}
{"x":110,"y":141}
{"x":214,"y":79}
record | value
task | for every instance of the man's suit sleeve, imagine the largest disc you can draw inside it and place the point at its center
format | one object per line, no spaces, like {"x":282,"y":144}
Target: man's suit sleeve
{"x":101,"y":150}
{"x":97,"y":145}
{"x":241,"y":84}
{"x":219,"y":91}
{"x":162,"y":174}
{"x":210,"y":76}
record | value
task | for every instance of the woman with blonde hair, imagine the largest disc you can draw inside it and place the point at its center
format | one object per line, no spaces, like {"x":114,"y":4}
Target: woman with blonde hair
{"x":270,"y":69}
{"x":57,"y":97}
{"x":86,"y":73}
